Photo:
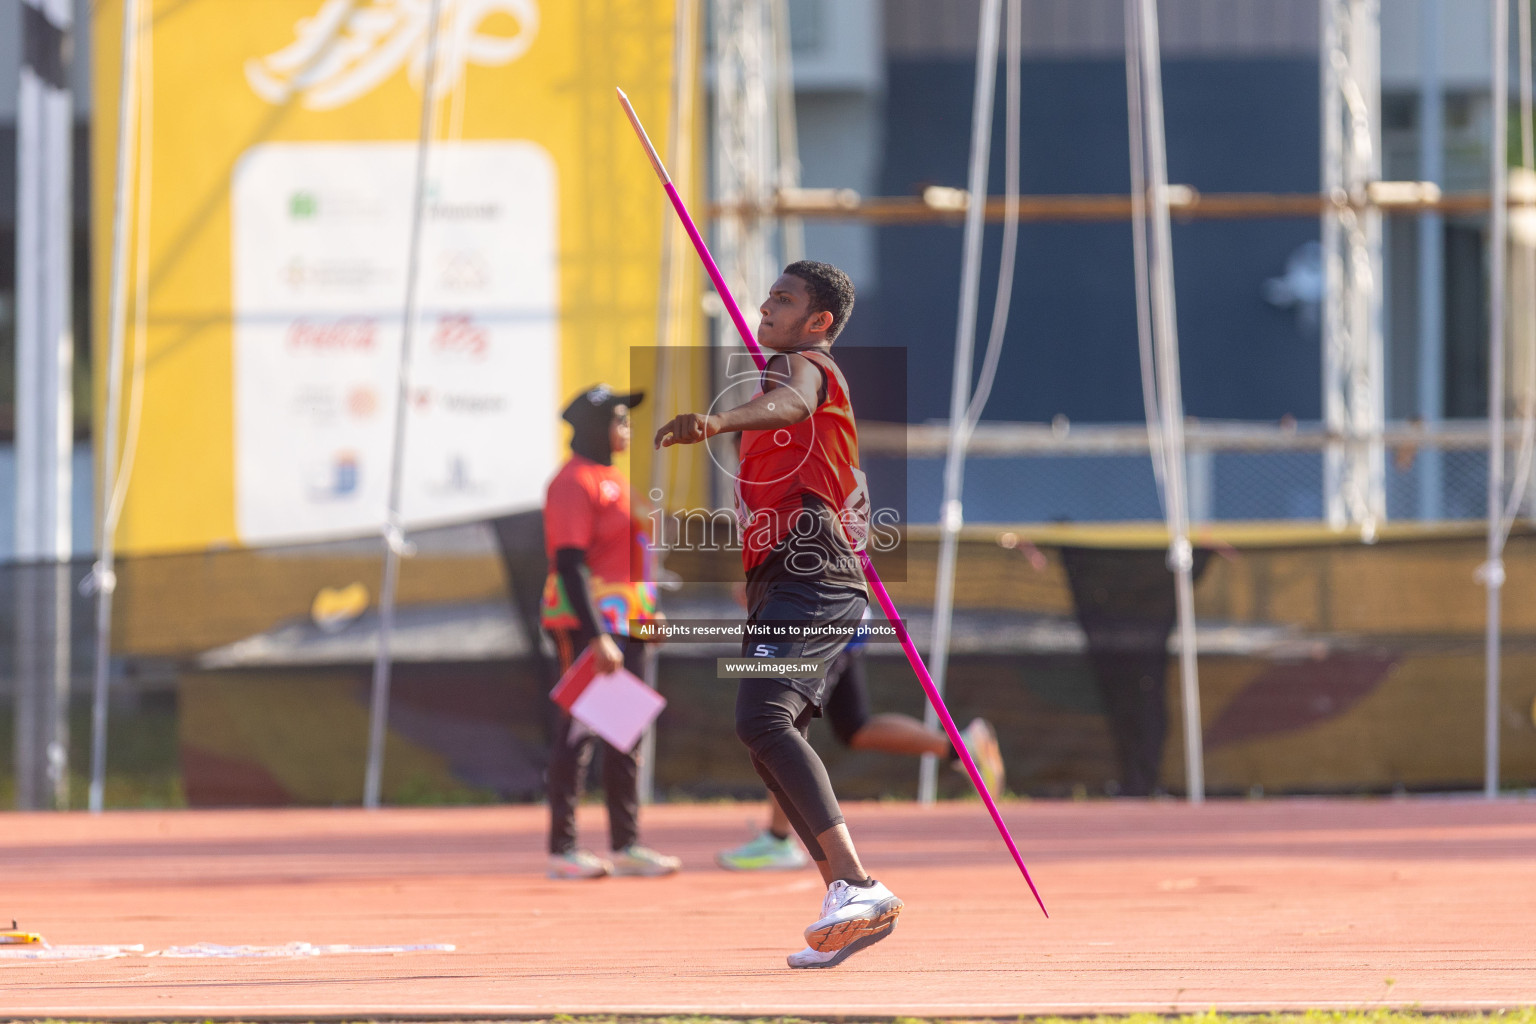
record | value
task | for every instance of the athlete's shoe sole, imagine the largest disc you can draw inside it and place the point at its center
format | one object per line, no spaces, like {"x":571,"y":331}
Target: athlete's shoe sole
{"x":810,"y":959}
{"x":840,"y":935}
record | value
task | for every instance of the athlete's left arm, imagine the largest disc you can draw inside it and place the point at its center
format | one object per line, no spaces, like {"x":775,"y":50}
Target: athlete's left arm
{"x":793,"y":389}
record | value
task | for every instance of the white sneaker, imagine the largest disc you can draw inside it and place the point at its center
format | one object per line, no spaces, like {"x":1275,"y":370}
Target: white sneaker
{"x":643,"y":862}
{"x":811,"y":958}
{"x":852,"y":913}
{"x":575,"y":864}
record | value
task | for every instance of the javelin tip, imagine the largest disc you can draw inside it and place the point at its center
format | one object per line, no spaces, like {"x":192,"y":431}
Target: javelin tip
{"x":645,"y":140}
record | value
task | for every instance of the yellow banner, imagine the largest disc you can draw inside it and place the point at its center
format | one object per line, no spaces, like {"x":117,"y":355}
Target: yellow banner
{"x":279,"y":170}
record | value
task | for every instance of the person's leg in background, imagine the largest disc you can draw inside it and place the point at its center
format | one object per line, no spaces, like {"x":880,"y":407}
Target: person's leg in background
{"x":570,"y":754}
{"x":895,"y":733}
{"x":774,"y":849}
{"x":847,"y":710}
{"x":621,"y":791}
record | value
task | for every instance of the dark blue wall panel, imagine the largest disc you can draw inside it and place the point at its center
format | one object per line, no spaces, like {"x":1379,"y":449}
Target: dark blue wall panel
{"x":1249,"y":126}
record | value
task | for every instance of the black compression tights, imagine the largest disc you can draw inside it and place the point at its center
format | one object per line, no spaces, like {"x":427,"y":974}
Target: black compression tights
{"x":773,"y":721}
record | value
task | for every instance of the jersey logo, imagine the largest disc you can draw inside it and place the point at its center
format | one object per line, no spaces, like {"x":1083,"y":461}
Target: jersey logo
{"x":854,"y":515}
{"x":350,"y":47}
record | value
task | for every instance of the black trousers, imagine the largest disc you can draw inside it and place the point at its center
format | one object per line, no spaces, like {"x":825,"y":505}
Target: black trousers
{"x":570,"y":756}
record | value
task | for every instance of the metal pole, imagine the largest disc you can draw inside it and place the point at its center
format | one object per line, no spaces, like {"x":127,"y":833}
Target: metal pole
{"x":1492,"y":572}
{"x":394,"y":530}
{"x":44,"y":402}
{"x":746,"y":174}
{"x":791,"y":229}
{"x":1136,"y":122}
{"x":1354,"y":467}
{"x":685,"y":45}
{"x":1170,"y":396}
{"x":1523,"y":327}
{"x":1431,"y":261}
{"x":951,"y":514}
{"x":1332,"y":183}
{"x":1368,"y":386}
{"x":103,"y":579}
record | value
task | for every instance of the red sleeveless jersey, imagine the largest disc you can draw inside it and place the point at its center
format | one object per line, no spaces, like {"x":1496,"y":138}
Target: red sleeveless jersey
{"x":817,"y":456}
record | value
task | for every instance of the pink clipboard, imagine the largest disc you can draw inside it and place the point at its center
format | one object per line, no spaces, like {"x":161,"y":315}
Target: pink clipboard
{"x":618,"y":706}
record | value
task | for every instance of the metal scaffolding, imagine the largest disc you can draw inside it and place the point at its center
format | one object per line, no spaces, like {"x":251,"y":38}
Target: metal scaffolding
{"x":746,"y":136}
{"x":1354,"y":468}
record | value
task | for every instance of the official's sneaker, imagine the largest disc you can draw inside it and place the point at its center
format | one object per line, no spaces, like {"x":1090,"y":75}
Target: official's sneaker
{"x":643,"y":862}
{"x":575,"y":864}
{"x":981,"y":740}
{"x":850,"y":913}
{"x":764,"y":852}
{"x":811,"y":958}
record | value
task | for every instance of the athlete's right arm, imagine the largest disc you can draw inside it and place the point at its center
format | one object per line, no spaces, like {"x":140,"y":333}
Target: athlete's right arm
{"x":792,"y":393}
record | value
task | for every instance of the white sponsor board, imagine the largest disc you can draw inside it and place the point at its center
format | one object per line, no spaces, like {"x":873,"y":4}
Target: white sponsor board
{"x":321,"y":233}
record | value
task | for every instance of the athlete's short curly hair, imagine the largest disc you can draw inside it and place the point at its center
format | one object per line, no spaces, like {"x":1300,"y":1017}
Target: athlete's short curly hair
{"x":830,"y":291}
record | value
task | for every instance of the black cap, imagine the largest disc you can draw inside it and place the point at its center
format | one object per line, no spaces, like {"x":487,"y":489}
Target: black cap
{"x":597,"y":403}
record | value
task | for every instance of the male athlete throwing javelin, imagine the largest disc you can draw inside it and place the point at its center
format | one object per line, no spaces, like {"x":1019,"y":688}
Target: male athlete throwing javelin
{"x":803,"y":509}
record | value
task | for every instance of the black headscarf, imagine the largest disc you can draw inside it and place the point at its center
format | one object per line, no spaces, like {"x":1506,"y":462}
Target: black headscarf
{"x":590,"y":414}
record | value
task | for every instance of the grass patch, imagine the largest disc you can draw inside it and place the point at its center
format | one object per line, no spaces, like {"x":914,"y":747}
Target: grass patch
{"x":143,"y":756}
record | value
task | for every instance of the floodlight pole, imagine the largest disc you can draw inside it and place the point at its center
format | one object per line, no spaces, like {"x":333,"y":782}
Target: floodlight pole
{"x":952,"y":512}
{"x":394,"y":527}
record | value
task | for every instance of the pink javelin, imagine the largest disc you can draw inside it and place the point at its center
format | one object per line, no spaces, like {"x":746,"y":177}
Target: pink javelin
{"x":886,"y":605}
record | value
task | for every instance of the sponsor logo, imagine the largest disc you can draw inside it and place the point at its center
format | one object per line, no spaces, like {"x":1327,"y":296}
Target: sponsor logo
{"x":348,"y":48}
{"x":472,"y":404}
{"x":464,"y":270}
{"x":334,"y":274}
{"x":458,"y":479}
{"x":459,"y":334}
{"x":355,"y":335}
{"x":308,"y":204}
{"x":362,"y":402}
{"x":315,"y":402}
{"x":337,"y":479}
{"x":486,"y":210}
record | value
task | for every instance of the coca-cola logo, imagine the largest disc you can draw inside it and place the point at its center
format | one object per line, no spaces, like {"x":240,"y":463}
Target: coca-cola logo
{"x":358,"y":335}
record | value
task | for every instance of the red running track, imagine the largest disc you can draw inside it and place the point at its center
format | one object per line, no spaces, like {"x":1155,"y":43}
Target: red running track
{"x":1261,"y":905}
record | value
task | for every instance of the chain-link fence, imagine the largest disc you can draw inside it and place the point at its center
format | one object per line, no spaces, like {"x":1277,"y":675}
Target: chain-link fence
{"x":1326,"y":665}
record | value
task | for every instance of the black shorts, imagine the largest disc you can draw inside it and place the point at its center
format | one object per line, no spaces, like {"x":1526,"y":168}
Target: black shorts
{"x":847,"y":708}
{"x":803,"y":603}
